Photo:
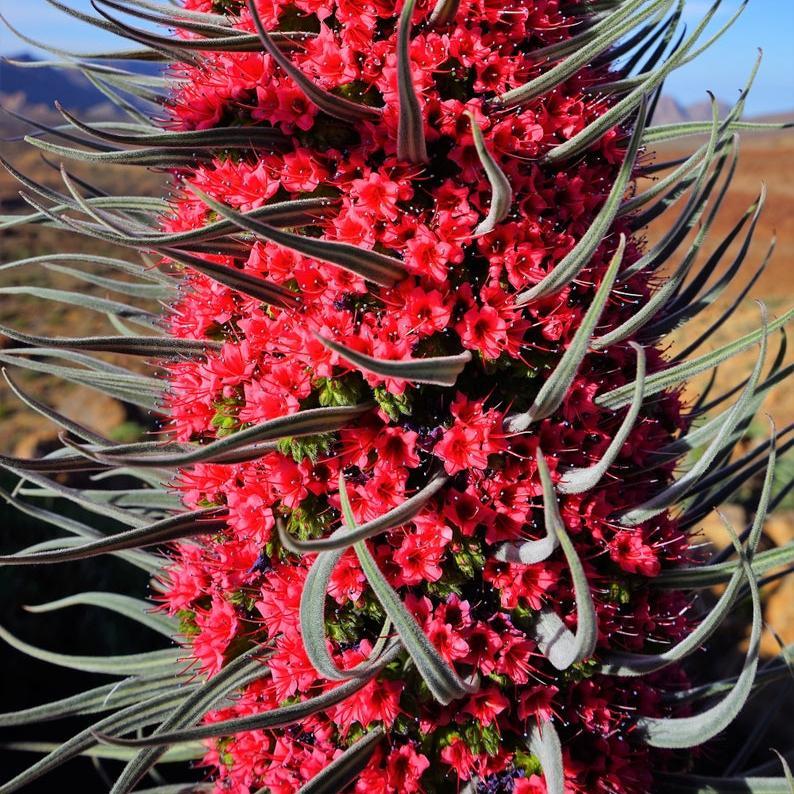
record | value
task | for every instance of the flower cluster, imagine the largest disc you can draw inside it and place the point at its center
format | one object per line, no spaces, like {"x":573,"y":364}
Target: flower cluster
{"x":243,"y":587}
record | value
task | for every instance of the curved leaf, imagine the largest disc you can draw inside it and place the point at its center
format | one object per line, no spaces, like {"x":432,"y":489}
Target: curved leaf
{"x":276,"y":718}
{"x":303,"y":423}
{"x":577,"y":259}
{"x":140,"y":559}
{"x":545,"y":744}
{"x":619,"y":111}
{"x":444,"y":12}
{"x":214,"y":137}
{"x":199,"y":522}
{"x":333,"y":105}
{"x":553,"y":391}
{"x":441,"y":679}
{"x":51,"y":463}
{"x":371,"y":265}
{"x":312,"y":622}
{"x":681,"y":486}
{"x":128,"y":664}
{"x":132,"y":717}
{"x":59,"y":419}
{"x":243,"y":670}
{"x":584,"y":479}
{"x":133,"y":608}
{"x":635,"y":664}
{"x":346,"y":536}
{"x":149,"y":156}
{"x":259,"y":288}
{"x":672,"y":376}
{"x":695,"y":784}
{"x":156,"y":346}
{"x":411,"y":145}
{"x":132,"y":313}
{"x":621,"y":22}
{"x":556,"y":642}
{"x":116,"y":695}
{"x":684,"y":732}
{"x":501,"y":191}
{"x":440,"y":370}
{"x":534,"y":551}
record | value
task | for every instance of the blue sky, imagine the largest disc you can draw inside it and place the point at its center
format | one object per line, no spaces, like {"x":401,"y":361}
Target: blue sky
{"x":768,"y":24}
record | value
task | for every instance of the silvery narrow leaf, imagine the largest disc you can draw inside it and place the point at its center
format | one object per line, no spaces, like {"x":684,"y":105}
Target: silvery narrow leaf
{"x":578,"y":258}
{"x":501,"y":192}
{"x":584,"y":479}
{"x":440,"y":370}
{"x":411,"y":144}
{"x":286,"y":715}
{"x":544,"y":743}
{"x":556,"y":386}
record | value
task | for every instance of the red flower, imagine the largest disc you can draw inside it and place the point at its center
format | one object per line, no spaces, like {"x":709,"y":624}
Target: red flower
{"x":461,"y":448}
{"x":486,"y":705}
{"x":419,"y":558}
{"x":404,"y":769}
{"x":301,"y":173}
{"x":535,"y":703}
{"x":629,"y":551}
{"x":459,"y":291}
{"x":347,"y":579}
{"x":290,"y":669}
{"x":425,"y":312}
{"x":484,"y":330}
{"x":378,"y":701}
{"x":377,"y":194}
{"x":217,"y":628}
{"x":458,"y":755}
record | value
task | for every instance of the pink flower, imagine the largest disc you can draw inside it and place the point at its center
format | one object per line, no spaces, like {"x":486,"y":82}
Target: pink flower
{"x":217,"y":628}
{"x":486,"y":704}
{"x":629,"y":551}
{"x":377,"y":194}
{"x":301,"y":173}
{"x":404,"y":769}
{"x":460,"y":448}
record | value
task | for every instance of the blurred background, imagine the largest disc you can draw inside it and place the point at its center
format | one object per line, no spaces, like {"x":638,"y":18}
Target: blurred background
{"x":768,"y":157}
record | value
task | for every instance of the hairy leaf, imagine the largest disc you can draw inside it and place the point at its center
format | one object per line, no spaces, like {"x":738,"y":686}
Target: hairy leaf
{"x":545,"y":744}
{"x":411,"y":145}
{"x":371,"y":265}
{"x":556,"y":386}
{"x":441,"y":370}
{"x":501,"y":192}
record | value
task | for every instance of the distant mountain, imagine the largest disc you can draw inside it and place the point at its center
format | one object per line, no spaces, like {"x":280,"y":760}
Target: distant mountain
{"x":33,"y":91}
{"x":26,"y":87}
{"x":670,"y":111}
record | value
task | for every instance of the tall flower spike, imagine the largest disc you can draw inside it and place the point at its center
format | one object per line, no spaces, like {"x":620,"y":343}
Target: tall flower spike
{"x":418,"y":499}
